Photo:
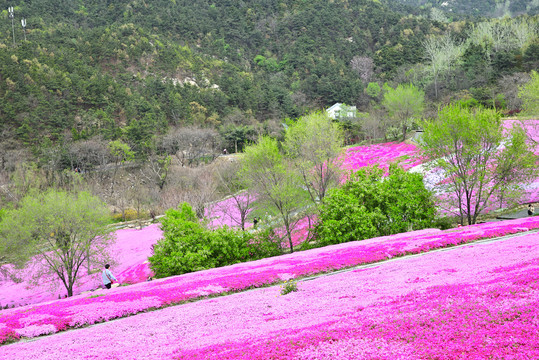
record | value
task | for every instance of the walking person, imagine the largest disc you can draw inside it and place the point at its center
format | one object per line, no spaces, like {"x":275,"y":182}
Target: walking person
{"x":531,"y":210}
{"x":108,"y":277}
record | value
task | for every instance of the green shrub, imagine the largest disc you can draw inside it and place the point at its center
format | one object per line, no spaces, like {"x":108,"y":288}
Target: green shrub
{"x":289,"y":286}
{"x":370,"y":205}
{"x":188,"y":246}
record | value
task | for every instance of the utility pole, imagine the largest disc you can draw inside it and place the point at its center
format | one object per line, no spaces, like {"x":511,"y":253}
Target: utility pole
{"x":23,"y":23}
{"x":11,"y":16}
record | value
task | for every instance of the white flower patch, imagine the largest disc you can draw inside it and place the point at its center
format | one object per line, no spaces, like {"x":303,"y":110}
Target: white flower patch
{"x":207,"y":290}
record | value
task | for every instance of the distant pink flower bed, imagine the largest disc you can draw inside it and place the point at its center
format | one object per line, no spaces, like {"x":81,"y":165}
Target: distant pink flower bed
{"x":435,"y":179}
{"x":381,"y":154}
{"x":475,"y":302}
{"x":226,"y":213}
{"x":44,"y":318}
{"x":531,"y":127}
{"x":131,"y":250}
{"x":354,"y":158}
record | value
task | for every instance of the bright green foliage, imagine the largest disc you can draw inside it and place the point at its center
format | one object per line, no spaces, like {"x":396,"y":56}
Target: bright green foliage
{"x":403,"y":104}
{"x":529,"y":93}
{"x":369,"y":205}
{"x":289,"y":286}
{"x":189,"y":246}
{"x":120,"y":151}
{"x":65,"y":232}
{"x":373,"y":90}
{"x":272,"y":178}
{"x":314,"y":142}
{"x":483,"y":161}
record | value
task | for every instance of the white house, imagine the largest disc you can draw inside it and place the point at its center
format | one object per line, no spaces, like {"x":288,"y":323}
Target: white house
{"x":339,"y":110}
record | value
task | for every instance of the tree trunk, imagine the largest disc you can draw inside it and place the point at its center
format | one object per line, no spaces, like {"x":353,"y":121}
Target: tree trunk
{"x":404,"y":128}
{"x":289,"y":235}
{"x":88,"y":260}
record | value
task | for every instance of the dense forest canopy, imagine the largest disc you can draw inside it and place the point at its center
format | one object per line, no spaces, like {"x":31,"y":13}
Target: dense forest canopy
{"x":132,"y":70}
{"x":493,"y":8}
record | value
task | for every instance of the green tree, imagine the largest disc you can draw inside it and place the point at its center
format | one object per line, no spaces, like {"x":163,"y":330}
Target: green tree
{"x":237,"y":136}
{"x":314,"y":143}
{"x":368,"y":205}
{"x":183,"y":248}
{"x":62,"y":230}
{"x":233,"y":186}
{"x":479,"y":157}
{"x":529,"y":93}
{"x":403,"y":104}
{"x":373,"y":90}
{"x":271,"y":178}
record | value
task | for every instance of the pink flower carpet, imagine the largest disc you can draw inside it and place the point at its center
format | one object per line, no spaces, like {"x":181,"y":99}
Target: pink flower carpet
{"x":131,"y":251}
{"x":87,"y":309}
{"x":479,"y":301}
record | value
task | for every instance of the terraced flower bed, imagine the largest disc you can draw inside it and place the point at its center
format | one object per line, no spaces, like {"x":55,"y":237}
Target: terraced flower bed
{"x":82,"y":310}
{"x":131,"y":250}
{"x":475,"y":302}
{"x":381,"y":154}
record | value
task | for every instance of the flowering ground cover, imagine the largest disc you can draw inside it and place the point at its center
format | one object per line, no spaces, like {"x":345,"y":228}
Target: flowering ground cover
{"x":81,"y":310}
{"x":474,"y":302}
{"x":131,"y":251}
{"x":407,"y":155}
{"x":225,"y":212}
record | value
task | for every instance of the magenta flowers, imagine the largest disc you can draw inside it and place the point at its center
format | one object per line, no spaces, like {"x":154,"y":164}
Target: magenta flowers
{"x":101,"y":306}
{"x":131,"y":250}
{"x":474,"y":302}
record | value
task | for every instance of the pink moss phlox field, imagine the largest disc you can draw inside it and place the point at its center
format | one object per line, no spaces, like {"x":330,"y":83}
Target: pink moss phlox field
{"x":480,"y":301}
{"x":299,"y":234}
{"x":407,"y":155}
{"x":435,"y":179}
{"x":225,"y":212}
{"x":109,"y":304}
{"x":131,"y":251}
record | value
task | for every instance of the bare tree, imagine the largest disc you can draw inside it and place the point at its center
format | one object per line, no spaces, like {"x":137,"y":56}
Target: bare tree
{"x":509,"y":86}
{"x":364,"y":66}
{"x":232,"y":185}
{"x":373,"y":127}
{"x":202,"y":190}
{"x":85,"y":155}
{"x":195,"y":186}
{"x":156,"y":169}
{"x":190,"y":145}
{"x":120,"y":152}
{"x":442,"y":52}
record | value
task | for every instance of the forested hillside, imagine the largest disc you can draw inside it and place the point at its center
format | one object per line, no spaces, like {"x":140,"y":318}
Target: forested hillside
{"x":135,"y":70}
{"x":492,"y":8}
